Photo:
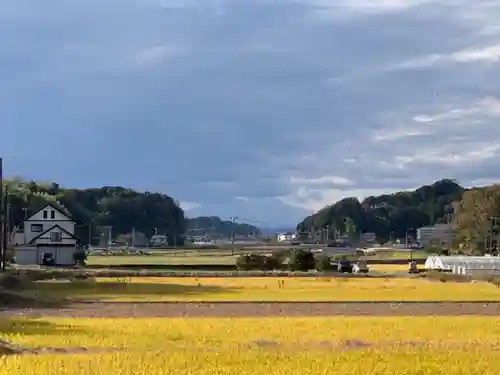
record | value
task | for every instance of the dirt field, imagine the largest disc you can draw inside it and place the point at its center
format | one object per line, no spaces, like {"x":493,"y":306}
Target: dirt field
{"x":249,"y":309}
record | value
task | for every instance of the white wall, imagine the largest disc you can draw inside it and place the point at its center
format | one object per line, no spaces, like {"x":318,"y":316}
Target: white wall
{"x":26,"y":256}
{"x":59,"y":219}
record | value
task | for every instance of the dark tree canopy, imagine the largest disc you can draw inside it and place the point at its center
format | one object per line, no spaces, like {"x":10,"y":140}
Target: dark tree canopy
{"x":123,"y":209}
{"x":389,"y":214}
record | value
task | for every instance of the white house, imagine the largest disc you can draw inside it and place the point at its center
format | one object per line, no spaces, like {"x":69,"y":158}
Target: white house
{"x":286,"y":236}
{"x":48,"y":230}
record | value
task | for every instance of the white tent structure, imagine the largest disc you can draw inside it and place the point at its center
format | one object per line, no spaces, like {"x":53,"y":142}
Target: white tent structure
{"x":463,"y":265}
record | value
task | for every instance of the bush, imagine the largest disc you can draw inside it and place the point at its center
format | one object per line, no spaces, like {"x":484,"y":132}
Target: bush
{"x":260,"y":262}
{"x":249,"y":262}
{"x":301,"y":260}
{"x":495,"y":281}
{"x":323,"y":263}
{"x":282,"y":254}
{"x":274,"y":262}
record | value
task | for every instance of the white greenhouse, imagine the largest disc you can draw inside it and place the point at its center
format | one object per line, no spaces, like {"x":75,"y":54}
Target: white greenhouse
{"x":464,"y":265}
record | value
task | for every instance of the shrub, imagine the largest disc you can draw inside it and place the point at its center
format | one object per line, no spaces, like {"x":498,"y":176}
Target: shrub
{"x":323,"y":263}
{"x":301,"y":260}
{"x":260,"y":262}
{"x":281,"y":254}
{"x":274,"y":262}
{"x":495,"y":281}
{"x":249,"y":262}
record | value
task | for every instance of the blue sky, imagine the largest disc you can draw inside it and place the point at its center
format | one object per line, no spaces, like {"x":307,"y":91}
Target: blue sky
{"x":263,"y":109}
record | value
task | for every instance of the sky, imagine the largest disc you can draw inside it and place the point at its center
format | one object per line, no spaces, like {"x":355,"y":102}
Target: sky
{"x":267,"y":110}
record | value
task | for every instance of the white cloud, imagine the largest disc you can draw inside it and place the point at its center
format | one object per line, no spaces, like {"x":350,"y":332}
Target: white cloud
{"x":488,"y":54}
{"x":400,"y":132}
{"x":244,"y":199}
{"x":228,"y":98}
{"x":157,"y":54}
{"x":335,"y":180}
{"x":471,"y":55}
{"x":313,"y":200}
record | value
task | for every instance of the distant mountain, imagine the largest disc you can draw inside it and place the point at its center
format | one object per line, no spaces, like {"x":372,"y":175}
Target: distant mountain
{"x":214,"y":226}
{"x":388,"y":215}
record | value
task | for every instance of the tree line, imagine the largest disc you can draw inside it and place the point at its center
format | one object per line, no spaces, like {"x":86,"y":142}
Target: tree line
{"x":121,"y":208}
{"x":391,"y":215}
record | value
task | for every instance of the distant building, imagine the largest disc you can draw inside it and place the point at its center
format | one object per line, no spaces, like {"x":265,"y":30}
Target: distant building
{"x":286,"y":236}
{"x":436,"y":234}
{"x":47,"y":231}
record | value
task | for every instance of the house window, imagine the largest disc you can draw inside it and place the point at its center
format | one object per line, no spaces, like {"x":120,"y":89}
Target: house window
{"x":36,"y":228}
{"x":44,"y":214}
{"x":55,"y":236}
{"x":52,"y":214}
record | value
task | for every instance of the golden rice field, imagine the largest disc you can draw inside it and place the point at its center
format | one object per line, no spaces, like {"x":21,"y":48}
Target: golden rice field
{"x":244,"y":346}
{"x":267,"y":289}
{"x":389,"y":268}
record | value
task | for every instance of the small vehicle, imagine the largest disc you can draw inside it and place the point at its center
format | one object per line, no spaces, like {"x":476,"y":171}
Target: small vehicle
{"x":48,"y":259}
{"x":360,"y":267}
{"x":343,"y":266}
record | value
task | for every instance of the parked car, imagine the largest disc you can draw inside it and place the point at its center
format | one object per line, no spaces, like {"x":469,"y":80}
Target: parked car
{"x":48,"y":259}
{"x":343,"y":266}
{"x":360,"y":267}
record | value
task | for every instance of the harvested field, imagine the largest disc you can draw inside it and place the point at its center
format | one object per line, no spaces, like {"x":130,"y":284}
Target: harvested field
{"x":223,"y":346}
{"x":249,"y":309}
{"x":148,"y":289}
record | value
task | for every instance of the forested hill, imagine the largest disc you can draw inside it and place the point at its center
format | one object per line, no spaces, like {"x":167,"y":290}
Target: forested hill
{"x":390,"y":213}
{"x":473,"y":217}
{"x":122,"y":209}
{"x":213,"y":225}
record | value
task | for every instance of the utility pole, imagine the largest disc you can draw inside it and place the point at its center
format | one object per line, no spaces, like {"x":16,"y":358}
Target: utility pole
{"x":233,"y":233}
{"x":406,"y":237}
{"x":2,"y":216}
{"x":327,"y":234}
{"x":6,"y":231}
{"x":133,"y":237}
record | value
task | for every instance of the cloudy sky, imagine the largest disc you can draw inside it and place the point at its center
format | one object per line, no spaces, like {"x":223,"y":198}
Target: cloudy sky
{"x":263,"y":109}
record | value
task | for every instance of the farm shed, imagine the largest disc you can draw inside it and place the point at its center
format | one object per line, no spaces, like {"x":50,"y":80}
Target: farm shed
{"x":463,"y":265}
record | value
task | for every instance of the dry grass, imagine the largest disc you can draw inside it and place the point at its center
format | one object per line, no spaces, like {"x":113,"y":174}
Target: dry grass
{"x":138,"y":260}
{"x":390,"y":268}
{"x":244,"y":346}
{"x":267,"y":289}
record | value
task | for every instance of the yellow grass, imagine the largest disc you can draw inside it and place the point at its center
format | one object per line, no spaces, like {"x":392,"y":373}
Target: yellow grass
{"x":164,"y":260}
{"x":269,"y":289}
{"x":244,"y":346}
{"x":390,"y":268}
